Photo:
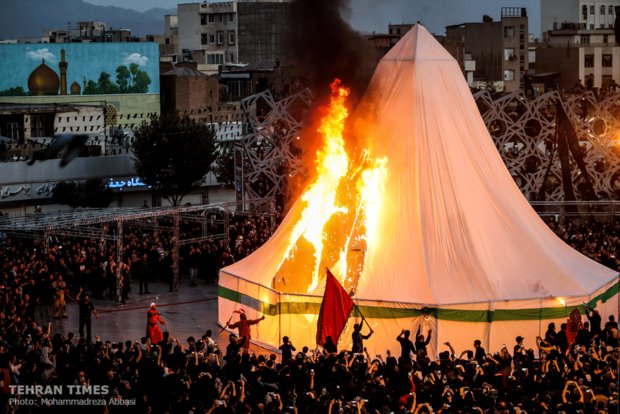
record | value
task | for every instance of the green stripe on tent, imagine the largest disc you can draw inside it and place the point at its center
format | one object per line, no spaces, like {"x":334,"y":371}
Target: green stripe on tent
{"x":385,"y":312}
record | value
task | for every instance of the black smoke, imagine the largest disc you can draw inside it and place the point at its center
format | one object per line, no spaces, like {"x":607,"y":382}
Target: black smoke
{"x":617,"y":25}
{"x":328,"y":48}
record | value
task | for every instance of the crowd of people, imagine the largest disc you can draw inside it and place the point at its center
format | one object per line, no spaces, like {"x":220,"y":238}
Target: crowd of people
{"x":68,"y":263}
{"x":162,"y":374}
{"x":599,"y":240}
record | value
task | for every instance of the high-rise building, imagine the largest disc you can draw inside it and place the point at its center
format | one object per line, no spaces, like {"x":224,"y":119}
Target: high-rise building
{"x":588,"y":14}
{"x":499,"y":49}
{"x":582,"y":49}
{"x":235,"y":32}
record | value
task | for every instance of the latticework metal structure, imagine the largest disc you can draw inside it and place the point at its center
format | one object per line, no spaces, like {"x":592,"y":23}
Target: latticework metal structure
{"x":269,"y":151}
{"x":524,"y":132}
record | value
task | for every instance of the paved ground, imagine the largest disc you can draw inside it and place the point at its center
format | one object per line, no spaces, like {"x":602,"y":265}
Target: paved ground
{"x":188,"y":312}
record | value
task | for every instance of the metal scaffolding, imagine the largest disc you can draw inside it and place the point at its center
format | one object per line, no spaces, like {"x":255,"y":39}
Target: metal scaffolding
{"x":96,"y":224}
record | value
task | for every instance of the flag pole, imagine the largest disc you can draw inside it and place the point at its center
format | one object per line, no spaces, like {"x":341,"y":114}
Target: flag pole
{"x":362,"y":315}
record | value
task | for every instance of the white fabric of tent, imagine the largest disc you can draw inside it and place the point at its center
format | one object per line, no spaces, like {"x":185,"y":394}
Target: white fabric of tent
{"x":461,"y":251}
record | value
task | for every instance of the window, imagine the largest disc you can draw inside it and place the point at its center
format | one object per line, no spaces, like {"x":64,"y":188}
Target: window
{"x":41,"y":125}
{"x":608,"y":81}
{"x":231,"y":38}
{"x":588,"y":61}
{"x":602,"y":10}
{"x":509,"y":54}
{"x":231,"y":17}
{"x":204,"y":39}
{"x":13,"y":130}
{"x":591,"y":26}
{"x":591,"y":9}
{"x":607,"y":61}
{"x":605,"y":38}
{"x":584,"y":12}
{"x":232,"y":57}
{"x":611,"y":10}
{"x":219,"y":18}
{"x":220,"y":38}
{"x":509,"y":32}
{"x":212,"y":38}
{"x":211,"y":18}
{"x":585,"y":39}
{"x":203,"y":18}
{"x":215,"y":58}
{"x":509,"y":75}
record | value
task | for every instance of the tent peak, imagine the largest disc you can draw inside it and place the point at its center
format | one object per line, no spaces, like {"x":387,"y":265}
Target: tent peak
{"x":420,"y":45}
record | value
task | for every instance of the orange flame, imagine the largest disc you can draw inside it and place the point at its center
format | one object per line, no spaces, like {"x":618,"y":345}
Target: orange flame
{"x":342,"y":207}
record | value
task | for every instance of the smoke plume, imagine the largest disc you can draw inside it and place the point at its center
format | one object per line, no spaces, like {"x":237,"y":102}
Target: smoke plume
{"x":329,"y":48}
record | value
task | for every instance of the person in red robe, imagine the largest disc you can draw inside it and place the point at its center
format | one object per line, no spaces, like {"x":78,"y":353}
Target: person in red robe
{"x":153,"y":331}
{"x":244,"y":328}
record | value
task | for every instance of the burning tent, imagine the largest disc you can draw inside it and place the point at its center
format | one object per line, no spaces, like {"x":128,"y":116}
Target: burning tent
{"x":426,"y":226}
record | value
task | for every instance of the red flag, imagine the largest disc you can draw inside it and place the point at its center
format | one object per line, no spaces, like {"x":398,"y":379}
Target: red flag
{"x":573,"y":325}
{"x":335,"y":310}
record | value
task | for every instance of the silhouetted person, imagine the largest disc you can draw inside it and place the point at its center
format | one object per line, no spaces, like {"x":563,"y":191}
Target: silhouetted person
{"x":287,"y":349}
{"x":86,"y":308}
{"x":358,"y":338}
{"x":594,"y":317}
{"x":330,"y":346}
{"x":479,"y":352}
{"x":405,"y":343}
{"x":420,"y":342}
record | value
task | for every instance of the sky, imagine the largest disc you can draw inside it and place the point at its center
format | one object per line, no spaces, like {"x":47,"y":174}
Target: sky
{"x":375,"y":15}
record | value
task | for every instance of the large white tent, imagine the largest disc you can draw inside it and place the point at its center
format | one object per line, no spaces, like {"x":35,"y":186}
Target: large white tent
{"x":460,"y":252}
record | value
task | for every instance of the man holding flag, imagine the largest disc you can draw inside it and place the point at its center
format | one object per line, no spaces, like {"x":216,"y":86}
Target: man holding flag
{"x":335,"y":310}
{"x":358,"y":338}
{"x":244,"y":327}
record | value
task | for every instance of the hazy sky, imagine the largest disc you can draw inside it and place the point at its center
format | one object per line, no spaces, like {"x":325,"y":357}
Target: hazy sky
{"x":375,"y":15}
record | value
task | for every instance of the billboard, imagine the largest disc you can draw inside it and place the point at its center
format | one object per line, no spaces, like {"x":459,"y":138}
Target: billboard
{"x":39,"y":69}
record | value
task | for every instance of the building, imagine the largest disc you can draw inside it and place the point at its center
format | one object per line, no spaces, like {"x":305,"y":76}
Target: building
{"x":89,"y":31}
{"x":121,"y":77}
{"x":582,"y":49}
{"x":23,"y":122}
{"x":399,"y":30}
{"x":382,"y":43}
{"x":587,"y":56}
{"x":169,"y":41}
{"x":98,"y":89}
{"x":590,"y":15}
{"x":186,"y":90}
{"x":493,"y":51}
{"x":234,"y":33}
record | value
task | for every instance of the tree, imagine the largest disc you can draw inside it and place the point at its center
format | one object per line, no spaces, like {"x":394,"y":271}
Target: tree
{"x":224,"y":166}
{"x":103,"y":86}
{"x":173,"y":154}
{"x":92,"y":193}
{"x":122,"y":78}
{"x":132,"y":79}
{"x":16,"y":91}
